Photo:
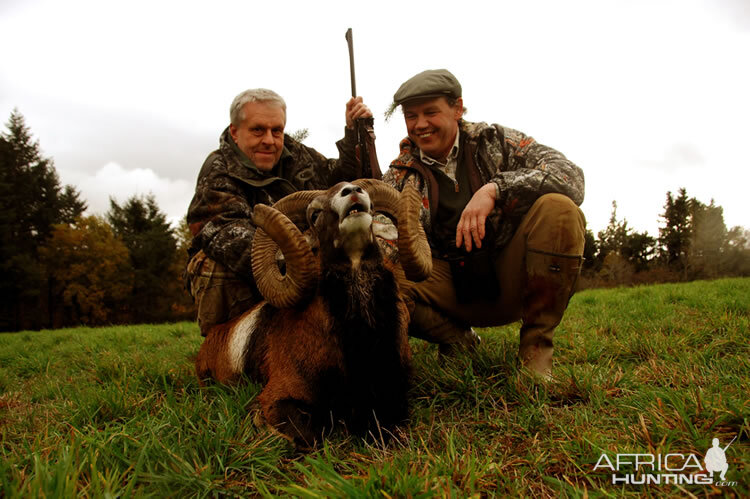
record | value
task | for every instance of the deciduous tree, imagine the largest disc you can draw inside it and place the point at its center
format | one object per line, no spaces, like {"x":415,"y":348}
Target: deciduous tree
{"x":89,"y":273}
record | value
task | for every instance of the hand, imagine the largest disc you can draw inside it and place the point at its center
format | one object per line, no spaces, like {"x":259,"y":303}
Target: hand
{"x":471,"y":225}
{"x":355,"y":108}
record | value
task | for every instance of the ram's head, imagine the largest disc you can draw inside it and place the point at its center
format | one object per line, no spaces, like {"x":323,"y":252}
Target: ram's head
{"x":340,"y":222}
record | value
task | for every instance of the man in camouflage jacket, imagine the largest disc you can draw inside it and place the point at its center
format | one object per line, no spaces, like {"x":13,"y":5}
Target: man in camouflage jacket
{"x":501,"y":214}
{"x":255,"y":163}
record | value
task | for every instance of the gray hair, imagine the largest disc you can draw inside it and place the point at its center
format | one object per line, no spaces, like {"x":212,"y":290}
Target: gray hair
{"x":237,"y":109}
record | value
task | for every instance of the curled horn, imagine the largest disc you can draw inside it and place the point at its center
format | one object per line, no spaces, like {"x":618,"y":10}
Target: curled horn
{"x":277,"y":229}
{"x":413,"y":249}
{"x":384,"y":198}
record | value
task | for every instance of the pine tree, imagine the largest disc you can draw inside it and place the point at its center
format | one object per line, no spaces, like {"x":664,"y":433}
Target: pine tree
{"x":31,"y":202}
{"x":737,"y":251}
{"x":674,"y":237}
{"x":708,"y":240}
{"x":614,"y":236}
{"x":620,"y":246}
{"x":144,"y":230}
{"x":639,"y":250}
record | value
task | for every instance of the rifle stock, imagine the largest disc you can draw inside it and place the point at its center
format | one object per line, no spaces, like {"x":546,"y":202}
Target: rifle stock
{"x":366,"y":153}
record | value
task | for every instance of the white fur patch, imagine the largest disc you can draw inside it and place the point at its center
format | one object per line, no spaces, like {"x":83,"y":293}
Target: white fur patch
{"x":341,"y":204}
{"x":238,"y":342}
{"x":355,"y":223}
{"x":386,"y":231}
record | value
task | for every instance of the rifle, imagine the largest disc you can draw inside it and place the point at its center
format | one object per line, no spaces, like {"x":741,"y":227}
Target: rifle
{"x":730,"y":443}
{"x":365,"y":148}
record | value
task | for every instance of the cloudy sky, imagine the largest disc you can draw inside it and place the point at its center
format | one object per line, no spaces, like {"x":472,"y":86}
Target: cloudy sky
{"x":646,"y":96}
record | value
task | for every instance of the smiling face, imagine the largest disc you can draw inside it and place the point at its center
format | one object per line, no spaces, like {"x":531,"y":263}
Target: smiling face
{"x":432,"y":124}
{"x":261,"y":134}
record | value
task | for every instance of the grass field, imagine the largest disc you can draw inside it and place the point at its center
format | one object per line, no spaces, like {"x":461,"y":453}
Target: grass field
{"x":648,"y":370}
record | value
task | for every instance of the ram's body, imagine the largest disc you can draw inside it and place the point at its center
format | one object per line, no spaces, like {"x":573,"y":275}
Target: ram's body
{"x":341,"y":355}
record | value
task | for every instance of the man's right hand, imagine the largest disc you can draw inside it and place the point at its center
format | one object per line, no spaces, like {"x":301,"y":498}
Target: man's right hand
{"x":356,"y":108}
{"x":471,"y":225}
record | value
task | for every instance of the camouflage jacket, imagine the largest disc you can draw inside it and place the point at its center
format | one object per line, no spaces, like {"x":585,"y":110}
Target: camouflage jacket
{"x":229,"y":185}
{"x":522,"y":169}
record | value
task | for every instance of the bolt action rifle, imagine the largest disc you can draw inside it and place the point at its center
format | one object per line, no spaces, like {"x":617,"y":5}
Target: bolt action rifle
{"x":366,"y":153}
{"x":730,"y":443}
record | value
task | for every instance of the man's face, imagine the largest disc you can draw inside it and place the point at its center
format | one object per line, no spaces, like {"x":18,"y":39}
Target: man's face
{"x":432,"y":124}
{"x":261,"y":135}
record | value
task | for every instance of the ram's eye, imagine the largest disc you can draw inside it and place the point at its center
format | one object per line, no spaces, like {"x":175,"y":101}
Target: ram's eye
{"x":314,"y":217}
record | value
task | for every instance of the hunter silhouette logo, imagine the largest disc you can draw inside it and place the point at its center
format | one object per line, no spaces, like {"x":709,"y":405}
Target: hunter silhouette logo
{"x":674,"y":468}
{"x":716,"y":459}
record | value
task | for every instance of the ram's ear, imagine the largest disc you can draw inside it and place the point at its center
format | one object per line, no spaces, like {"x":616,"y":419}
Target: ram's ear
{"x":385,"y":230}
{"x":313,"y":211}
{"x":312,"y":241}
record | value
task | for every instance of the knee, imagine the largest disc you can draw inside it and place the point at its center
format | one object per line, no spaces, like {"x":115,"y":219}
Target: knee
{"x":559,"y":206}
{"x":560,"y":221}
{"x":219,"y":294}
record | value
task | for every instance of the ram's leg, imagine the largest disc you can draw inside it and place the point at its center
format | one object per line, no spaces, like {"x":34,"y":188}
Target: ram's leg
{"x":393,"y":381}
{"x":287,"y":409}
{"x":387,"y":407}
{"x":222,"y":356}
{"x":295,"y":420}
{"x":208,"y":359}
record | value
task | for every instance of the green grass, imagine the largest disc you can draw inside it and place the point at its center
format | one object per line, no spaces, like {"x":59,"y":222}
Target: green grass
{"x":118,"y":412}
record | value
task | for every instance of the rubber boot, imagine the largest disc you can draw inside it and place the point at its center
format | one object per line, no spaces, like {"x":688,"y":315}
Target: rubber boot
{"x":550,"y":283}
{"x":431,"y":325}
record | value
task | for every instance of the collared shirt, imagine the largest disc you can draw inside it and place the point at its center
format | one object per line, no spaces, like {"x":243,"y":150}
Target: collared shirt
{"x":451,"y":162}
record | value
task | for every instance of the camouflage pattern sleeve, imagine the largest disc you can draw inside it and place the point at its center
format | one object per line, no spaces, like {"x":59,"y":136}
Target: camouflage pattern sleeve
{"x":220,"y":214}
{"x":219,"y":217}
{"x":528,"y":170}
{"x":330,"y":171}
{"x":391,"y":178}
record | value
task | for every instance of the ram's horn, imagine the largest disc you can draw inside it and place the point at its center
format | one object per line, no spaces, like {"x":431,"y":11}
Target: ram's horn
{"x":383,"y":197}
{"x":294,"y":206}
{"x":413,"y":249}
{"x":277,"y":229}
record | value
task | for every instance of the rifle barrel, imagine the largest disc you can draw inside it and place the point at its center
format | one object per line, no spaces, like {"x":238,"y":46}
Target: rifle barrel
{"x":350,"y":42}
{"x":730,"y":443}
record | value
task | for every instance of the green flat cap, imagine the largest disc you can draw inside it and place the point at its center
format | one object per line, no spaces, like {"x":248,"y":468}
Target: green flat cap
{"x":430,"y":83}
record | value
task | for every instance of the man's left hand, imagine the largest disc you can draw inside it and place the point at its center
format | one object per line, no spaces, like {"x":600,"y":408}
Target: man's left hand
{"x":470,"y":228}
{"x":356,"y":108}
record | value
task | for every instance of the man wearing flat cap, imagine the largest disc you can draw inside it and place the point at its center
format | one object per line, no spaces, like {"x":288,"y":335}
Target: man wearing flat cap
{"x":501,"y":214}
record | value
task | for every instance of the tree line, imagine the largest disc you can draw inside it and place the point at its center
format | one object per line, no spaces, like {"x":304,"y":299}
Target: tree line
{"x":60,"y":268}
{"x":693,"y":243}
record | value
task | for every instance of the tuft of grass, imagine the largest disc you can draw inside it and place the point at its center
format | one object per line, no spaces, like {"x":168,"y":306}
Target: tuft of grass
{"x":117,"y":411}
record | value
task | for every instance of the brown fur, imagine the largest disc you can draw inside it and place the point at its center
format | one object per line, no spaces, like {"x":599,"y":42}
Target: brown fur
{"x":291,"y":361}
{"x":213,"y":360}
{"x":343,"y":356}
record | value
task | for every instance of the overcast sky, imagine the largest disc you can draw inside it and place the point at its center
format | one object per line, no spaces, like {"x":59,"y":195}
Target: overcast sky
{"x":646,"y":96}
